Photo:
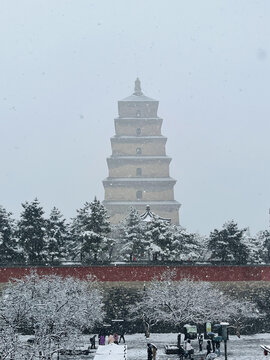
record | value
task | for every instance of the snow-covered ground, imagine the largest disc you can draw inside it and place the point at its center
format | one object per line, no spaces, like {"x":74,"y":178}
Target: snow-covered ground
{"x":111,"y":352}
{"x":245,"y":348}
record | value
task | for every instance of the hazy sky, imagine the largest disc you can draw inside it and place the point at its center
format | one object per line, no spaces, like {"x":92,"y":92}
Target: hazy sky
{"x":65,"y":64}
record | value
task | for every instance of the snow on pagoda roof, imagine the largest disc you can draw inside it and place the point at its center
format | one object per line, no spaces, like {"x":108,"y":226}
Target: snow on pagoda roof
{"x":148,"y":216}
{"x":139,"y":202}
{"x":141,"y":157}
{"x":140,"y":179}
{"x":138,"y":94}
{"x":141,"y":137}
{"x":138,"y":98}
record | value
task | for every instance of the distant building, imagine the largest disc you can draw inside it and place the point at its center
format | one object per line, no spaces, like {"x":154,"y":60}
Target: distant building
{"x":139,"y":166}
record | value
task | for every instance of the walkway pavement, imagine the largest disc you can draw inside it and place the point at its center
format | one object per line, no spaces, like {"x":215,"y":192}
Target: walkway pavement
{"x":111,"y":352}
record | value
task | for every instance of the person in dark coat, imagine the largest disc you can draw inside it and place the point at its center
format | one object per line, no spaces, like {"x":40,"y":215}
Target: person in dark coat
{"x":149,"y":352}
{"x":218,"y":348}
{"x":213,"y":345}
{"x":208,"y":347}
{"x":93,"y":342}
{"x":200,"y":340}
{"x":154,"y":351}
{"x":122,"y":336}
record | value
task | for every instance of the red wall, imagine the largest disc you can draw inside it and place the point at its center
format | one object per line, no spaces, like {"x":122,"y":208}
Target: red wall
{"x":146,"y":273}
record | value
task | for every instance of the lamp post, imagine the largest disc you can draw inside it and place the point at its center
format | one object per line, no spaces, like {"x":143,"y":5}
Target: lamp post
{"x":224,"y":327}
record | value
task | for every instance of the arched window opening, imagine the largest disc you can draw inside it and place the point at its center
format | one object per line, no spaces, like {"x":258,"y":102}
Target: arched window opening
{"x":138,"y":172}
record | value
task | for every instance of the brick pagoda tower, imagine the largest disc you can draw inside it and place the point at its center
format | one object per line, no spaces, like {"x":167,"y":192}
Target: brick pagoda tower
{"x":139,"y":166}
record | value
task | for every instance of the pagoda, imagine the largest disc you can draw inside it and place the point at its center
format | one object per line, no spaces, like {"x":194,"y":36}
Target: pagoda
{"x":139,"y":167}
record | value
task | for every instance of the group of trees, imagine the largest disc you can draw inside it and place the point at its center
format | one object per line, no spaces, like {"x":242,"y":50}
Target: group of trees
{"x":165,"y":301}
{"x":236,"y":246}
{"x":55,"y":310}
{"x":33,"y":239}
{"x":158,"y":240}
{"x":89,"y":237}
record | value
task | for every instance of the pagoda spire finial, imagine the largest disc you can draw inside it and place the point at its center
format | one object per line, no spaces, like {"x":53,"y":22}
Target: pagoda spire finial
{"x":137,"y":88}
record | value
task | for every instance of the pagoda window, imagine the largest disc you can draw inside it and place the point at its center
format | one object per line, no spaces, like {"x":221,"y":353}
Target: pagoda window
{"x":138,"y":113}
{"x":138,"y":172}
{"x":138,"y":151}
{"x":138,"y":131}
{"x":139,"y":195}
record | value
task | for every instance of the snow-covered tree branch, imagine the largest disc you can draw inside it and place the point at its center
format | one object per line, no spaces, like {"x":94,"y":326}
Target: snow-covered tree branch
{"x":55,"y":309}
{"x":187,"y":301}
{"x":89,"y":233}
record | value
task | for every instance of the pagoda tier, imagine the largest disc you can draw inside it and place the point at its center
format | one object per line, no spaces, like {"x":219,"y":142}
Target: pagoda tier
{"x":129,"y":145}
{"x":139,"y":166}
{"x":131,"y":166}
{"x":126,"y":189}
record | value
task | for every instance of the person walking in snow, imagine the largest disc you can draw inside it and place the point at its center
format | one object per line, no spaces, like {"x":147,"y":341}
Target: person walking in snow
{"x":218,"y":348}
{"x":189,"y":349}
{"x":200,"y":340}
{"x":122,"y":335}
{"x":213,"y":345}
{"x":93,"y":342}
{"x":101,"y":340}
{"x":116,"y":338}
{"x":110,"y":339}
{"x":208,"y":347}
{"x":149,"y":352}
{"x":154,"y":351}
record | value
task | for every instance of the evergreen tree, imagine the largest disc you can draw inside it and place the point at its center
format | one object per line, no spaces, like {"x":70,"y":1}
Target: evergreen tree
{"x":9,"y":248}
{"x":160,"y":238}
{"x":227,"y":245}
{"x":56,"y":237}
{"x":255,"y":249}
{"x":264,"y":237}
{"x":186,"y":246}
{"x":99,"y":242}
{"x":77,"y":232}
{"x":90,"y":231}
{"x":32,"y":232}
{"x":134,"y":244}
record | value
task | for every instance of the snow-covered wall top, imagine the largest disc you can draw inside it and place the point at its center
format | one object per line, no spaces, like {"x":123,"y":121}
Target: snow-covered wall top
{"x":132,"y":273}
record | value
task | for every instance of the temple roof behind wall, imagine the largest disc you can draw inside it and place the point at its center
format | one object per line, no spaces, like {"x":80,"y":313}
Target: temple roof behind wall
{"x":148,"y":216}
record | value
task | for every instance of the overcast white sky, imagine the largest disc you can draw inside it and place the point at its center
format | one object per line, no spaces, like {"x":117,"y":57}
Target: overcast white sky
{"x":64,"y":64}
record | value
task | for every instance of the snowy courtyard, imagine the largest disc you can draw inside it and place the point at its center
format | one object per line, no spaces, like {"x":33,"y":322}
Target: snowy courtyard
{"x":245,"y":348}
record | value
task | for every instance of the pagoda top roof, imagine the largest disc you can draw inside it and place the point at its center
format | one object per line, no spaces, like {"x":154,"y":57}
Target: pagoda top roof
{"x":138,"y":95}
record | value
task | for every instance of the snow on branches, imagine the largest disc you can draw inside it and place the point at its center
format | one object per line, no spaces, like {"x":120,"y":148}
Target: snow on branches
{"x":187,"y":301}
{"x":89,"y":233}
{"x":90,"y":238}
{"x":133,"y":242}
{"x":55,"y":309}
